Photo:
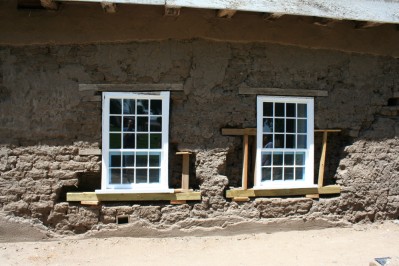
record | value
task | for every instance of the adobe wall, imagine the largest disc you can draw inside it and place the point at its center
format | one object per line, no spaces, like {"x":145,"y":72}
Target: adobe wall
{"x":44,"y":123}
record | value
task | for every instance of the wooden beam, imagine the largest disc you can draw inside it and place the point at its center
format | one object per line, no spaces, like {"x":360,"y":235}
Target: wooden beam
{"x":238,"y":131}
{"x":108,"y":7}
{"x":333,"y":189}
{"x":172,"y":11}
{"x":328,"y":130}
{"x":93,"y":196}
{"x":132,"y":87}
{"x":226,"y":13}
{"x":49,"y":4}
{"x":282,"y":92}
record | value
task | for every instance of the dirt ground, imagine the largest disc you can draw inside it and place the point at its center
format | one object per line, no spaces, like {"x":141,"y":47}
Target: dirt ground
{"x":356,"y":245}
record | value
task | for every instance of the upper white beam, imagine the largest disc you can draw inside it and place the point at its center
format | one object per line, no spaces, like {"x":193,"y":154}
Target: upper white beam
{"x":384,"y":11}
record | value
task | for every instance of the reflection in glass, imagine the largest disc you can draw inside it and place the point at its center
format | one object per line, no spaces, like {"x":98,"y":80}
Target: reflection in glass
{"x":289,"y":158}
{"x":278,"y":158}
{"x":279,"y":141}
{"x":154,"y":175}
{"x":155,"y":159}
{"x":141,"y":176}
{"x":267,"y":109}
{"x":299,"y":173}
{"x":290,"y":141}
{"x":115,"y":159}
{"x":302,"y":112}
{"x":268,"y":141}
{"x":142,"y":123}
{"x":114,"y":123}
{"x":277,"y":173}
{"x":155,"y":123}
{"x":141,"y":159}
{"x":142,"y":141}
{"x":266,"y":158}
{"x":266,"y":174}
{"x":142,"y":107}
{"x":129,"y":106}
{"x":155,"y":141}
{"x":302,"y":128}
{"x":301,"y":141}
{"x":279,"y":126}
{"x":114,"y":141}
{"x":128,"y":141}
{"x":289,"y":173}
{"x":115,"y":176}
{"x":300,"y":158}
{"x":268,"y":125}
{"x":156,"y":107}
{"x":128,"y":159}
{"x":280,"y":109}
{"x":115,"y":106}
{"x":291,"y":110}
{"x":128,"y":123}
{"x":290,"y":126}
{"x":127,"y":176}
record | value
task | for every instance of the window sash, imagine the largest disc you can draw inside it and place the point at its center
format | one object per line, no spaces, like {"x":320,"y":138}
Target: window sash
{"x":286,"y":172}
{"x":130,"y":171}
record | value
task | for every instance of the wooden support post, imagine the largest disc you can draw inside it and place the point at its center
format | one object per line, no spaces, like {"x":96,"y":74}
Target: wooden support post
{"x":185,"y":176}
{"x":245,"y":164}
{"x":322,"y":160}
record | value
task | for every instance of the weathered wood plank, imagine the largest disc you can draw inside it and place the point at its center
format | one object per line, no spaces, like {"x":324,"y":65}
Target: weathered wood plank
{"x":87,"y":152}
{"x":328,"y":130}
{"x":282,"y":92}
{"x":282,"y":192}
{"x":132,"y":87}
{"x":92,"y":196}
{"x":322,"y":160}
{"x":238,"y":131}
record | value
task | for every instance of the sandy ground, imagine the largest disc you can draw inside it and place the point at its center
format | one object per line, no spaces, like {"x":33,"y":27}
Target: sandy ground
{"x":357,"y":245}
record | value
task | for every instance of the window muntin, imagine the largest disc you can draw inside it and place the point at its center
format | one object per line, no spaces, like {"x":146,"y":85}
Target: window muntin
{"x":135,"y":140}
{"x":284,"y":142}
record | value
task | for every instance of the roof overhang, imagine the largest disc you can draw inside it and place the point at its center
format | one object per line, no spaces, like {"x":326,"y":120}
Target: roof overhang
{"x":381,"y":11}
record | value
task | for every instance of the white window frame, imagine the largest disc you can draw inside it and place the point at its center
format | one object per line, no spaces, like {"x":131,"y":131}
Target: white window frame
{"x":148,"y":187}
{"x":308,"y":180}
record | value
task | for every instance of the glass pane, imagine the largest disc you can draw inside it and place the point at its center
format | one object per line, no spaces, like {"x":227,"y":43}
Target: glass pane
{"x":155,"y":123}
{"x":128,"y":141}
{"x":277,"y":173}
{"x":291,"y":110}
{"x":290,"y":126}
{"x":266,"y":174}
{"x":301,"y":141}
{"x":302,"y":128}
{"x":289,"y":158}
{"x":129,"y":106}
{"x":142,"y":123}
{"x":266,"y":158}
{"x":299,"y":173}
{"x":154,"y":175}
{"x":268,"y":125}
{"x":155,"y":159}
{"x":141,"y":159}
{"x":114,"y":123}
{"x":290,"y":141}
{"x":115,"y":159}
{"x":142,"y":107}
{"x":142,"y":141}
{"x":114,"y":141}
{"x":156,"y":107}
{"x":115,"y":106}
{"x":268,"y":141}
{"x":127,"y":176}
{"x":267,"y":109}
{"x":128,"y":123}
{"x":280,"y":109}
{"x":128,"y":159}
{"x":278,"y":158}
{"x":279,"y":127}
{"x":300,"y":158}
{"x":141,"y":176}
{"x":155,"y":141}
{"x":302,"y":112}
{"x":115,"y":176}
{"x":289,"y":173}
{"x":279,"y":141}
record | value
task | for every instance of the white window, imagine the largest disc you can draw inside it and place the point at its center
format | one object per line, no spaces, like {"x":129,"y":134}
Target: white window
{"x":284,"y":142}
{"x":135,"y":142}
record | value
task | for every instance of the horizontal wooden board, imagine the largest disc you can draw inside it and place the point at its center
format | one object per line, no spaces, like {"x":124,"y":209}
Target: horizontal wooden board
{"x":131,"y":87}
{"x":334,"y":189}
{"x":92,"y":196}
{"x":238,"y":131}
{"x":283,"y":92}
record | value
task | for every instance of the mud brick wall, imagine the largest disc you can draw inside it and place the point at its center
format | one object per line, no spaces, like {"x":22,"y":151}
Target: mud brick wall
{"x":44,"y":123}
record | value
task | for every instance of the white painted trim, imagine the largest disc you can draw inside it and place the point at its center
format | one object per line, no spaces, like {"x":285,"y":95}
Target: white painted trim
{"x":129,"y":191}
{"x":383,"y":11}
